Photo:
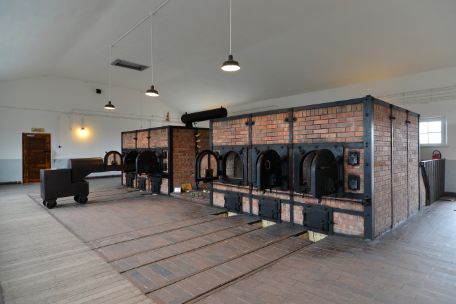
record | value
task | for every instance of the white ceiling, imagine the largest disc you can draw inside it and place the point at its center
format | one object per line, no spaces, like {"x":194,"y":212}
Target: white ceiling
{"x":284,"y":47}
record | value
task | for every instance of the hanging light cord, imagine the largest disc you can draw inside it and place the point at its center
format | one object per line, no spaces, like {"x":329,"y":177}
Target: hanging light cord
{"x":230,"y":29}
{"x":109,"y":73}
{"x":151,"y":50}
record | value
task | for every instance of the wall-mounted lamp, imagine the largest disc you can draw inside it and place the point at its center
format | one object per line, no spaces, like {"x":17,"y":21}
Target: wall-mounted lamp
{"x":83,"y":132}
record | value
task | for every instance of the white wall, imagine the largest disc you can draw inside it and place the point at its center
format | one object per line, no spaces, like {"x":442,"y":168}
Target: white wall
{"x":60,"y":105}
{"x":434,"y":79}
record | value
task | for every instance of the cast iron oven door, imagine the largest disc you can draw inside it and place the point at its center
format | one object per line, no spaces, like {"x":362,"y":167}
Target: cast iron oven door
{"x":320,"y":170}
{"x":318,"y":218}
{"x":129,"y":161}
{"x":113,"y":161}
{"x":234,"y":165}
{"x":233,"y":202}
{"x":271,"y":170}
{"x":148,"y":162}
{"x":269,"y":208}
{"x":207,"y":166}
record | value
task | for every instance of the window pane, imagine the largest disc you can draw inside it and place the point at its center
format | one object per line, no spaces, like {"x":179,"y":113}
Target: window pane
{"x":435,"y":138}
{"x":423,"y":127}
{"x":435,"y":126}
{"x":424,"y":139}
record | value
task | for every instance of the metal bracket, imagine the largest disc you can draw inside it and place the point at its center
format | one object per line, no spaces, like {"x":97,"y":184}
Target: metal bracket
{"x":287,"y":119}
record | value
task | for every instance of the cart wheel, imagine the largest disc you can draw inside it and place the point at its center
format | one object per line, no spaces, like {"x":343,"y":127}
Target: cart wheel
{"x":51,"y":204}
{"x":82,"y":199}
{"x":44,"y":203}
{"x":76,"y":198}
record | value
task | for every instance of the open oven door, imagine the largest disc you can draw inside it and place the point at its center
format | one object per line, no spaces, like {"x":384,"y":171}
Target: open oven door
{"x":233,"y":165}
{"x":271,"y":167}
{"x":149,"y":162}
{"x":207,"y":166}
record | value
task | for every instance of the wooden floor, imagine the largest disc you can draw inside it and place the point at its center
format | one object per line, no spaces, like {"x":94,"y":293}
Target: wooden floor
{"x":42,"y":262}
{"x":128,"y":247}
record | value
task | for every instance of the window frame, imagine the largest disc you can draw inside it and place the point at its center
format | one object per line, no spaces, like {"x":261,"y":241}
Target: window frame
{"x":443,"y":129}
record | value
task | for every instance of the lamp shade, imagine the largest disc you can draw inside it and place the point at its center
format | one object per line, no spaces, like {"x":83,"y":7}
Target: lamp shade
{"x":152,"y":92}
{"x":231,"y":65}
{"x":109,"y":106}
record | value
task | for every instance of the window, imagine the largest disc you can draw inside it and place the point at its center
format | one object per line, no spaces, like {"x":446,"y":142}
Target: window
{"x":433,"y":131}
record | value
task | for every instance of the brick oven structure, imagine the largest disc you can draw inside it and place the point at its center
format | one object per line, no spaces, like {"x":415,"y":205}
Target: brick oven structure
{"x":347,"y":167}
{"x":159,"y":159}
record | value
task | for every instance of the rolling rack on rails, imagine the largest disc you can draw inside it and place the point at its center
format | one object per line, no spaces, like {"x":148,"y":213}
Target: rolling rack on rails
{"x":58,"y":183}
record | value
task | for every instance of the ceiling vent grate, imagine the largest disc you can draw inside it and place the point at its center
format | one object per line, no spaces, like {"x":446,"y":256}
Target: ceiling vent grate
{"x":129,"y":65}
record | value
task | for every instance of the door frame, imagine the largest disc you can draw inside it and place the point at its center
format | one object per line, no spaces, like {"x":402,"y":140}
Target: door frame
{"x":24,"y":164}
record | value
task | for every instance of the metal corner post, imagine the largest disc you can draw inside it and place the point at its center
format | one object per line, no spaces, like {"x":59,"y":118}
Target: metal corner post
{"x":368,"y":123}
{"x":211,"y":147}
{"x":170,"y":161}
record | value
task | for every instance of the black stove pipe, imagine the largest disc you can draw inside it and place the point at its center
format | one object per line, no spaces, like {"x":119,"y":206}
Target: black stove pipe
{"x":189,"y":118}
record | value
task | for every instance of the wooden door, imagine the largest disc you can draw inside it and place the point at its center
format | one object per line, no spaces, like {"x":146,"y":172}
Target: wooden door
{"x":36,"y":155}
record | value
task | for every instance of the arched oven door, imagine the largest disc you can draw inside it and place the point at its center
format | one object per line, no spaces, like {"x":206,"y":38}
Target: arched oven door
{"x":270,"y":169}
{"x":319,"y":169}
{"x":233,"y":165}
{"x":148,"y":162}
{"x":129,"y":161}
{"x":207,"y":166}
{"x":129,"y":168}
{"x":149,"y":170}
{"x":113,"y":161}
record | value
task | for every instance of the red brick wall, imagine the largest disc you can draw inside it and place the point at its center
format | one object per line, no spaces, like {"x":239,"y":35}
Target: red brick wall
{"x":342,"y":204}
{"x":159,"y":138}
{"x":333,"y":124}
{"x":274,"y":194}
{"x":348,"y":224}
{"x":413,"y":164}
{"x":164,"y":186}
{"x":285,"y":212}
{"x":230,"y":132}
{"x":382,"y":169}
{"x":298,"y":217}
{"x":183,"y":156}
{"x":234,"y":188}
{"x":245,"y":204}
{"x":143,"y":139}
{"x":399,"y":167}
{"x":270,"y":129}
{"x":129,"y":140}
{"x":204,"y":139}
{"x":403,"y":180}
{"x":218,"y":199}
